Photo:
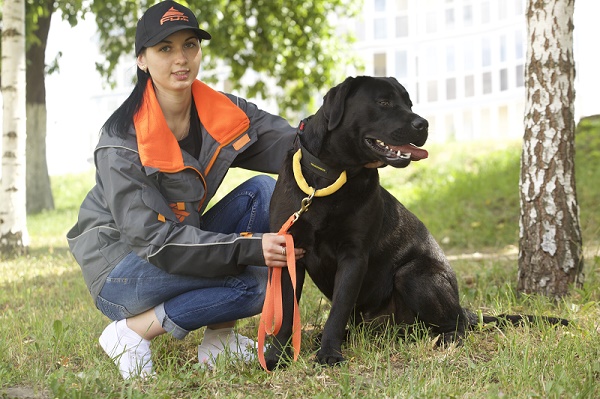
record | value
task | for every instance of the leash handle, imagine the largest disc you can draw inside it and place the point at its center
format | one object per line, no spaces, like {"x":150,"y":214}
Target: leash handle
{"x":271,"y":317}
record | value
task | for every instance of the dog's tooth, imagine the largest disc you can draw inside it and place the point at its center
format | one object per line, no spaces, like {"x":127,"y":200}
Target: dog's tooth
{"x":405,"y":156}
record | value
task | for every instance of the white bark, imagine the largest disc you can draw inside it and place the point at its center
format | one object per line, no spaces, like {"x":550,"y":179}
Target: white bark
{"x":13,"y":223}
{"x":550,"y":255}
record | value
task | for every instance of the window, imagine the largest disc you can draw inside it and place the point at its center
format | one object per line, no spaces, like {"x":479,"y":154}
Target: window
{"x":503,"y":79}
{"x":432,"y":91}
{"x":502,"y":9}
{"x":486,"y":120}
{"x":431,"y":119}
{"x":467,"y":130}
{"x":519,"y":43}
{"x":487,"y":82}
{"x":503,"y":48}
{"x":469,"y":86}
{"x":520,"y":7}
{"x":379,"y":5}
{"x":379,"y":28}
{"x":379,"y":67}
{"x":450,"y":62}
{"x":468,"y":15}
{"x":485,"y":12}
{"x":401,"y":64}
{"x":520,"y":75}
{"x":469,"y":54}
{"x":402,"y":26}
{"x":449,"y":126}
{"x":486,"y":52}
{"x":503,"y":121}
{"x":450,"y":18}
{"x":431,"y":22}
{"x":451,"y":89}
{"x":431,"y":61}
{"x":360,"y":30}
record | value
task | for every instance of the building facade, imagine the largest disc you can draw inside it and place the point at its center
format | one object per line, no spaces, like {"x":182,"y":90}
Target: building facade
{"x":462,"y":61}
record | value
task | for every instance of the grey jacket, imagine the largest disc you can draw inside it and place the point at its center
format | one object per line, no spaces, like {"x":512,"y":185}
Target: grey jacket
{"x":156,"y":214}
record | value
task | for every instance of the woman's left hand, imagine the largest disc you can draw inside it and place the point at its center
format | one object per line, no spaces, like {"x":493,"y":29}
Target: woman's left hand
{"x":274,"y":250}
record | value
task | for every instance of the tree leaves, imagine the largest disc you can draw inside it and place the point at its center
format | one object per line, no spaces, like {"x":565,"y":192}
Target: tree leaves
{"x":292,"y":45}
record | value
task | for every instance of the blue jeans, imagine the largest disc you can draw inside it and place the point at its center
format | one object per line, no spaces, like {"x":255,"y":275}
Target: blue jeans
{"x":182,"y":303}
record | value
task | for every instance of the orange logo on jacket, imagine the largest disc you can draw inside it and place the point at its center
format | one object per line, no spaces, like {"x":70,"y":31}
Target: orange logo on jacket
{"x":178,"y":209}
{"x":173,"y":15}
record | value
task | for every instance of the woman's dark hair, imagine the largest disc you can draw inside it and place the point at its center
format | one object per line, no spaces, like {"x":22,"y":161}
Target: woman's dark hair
{"x":120,"y":121}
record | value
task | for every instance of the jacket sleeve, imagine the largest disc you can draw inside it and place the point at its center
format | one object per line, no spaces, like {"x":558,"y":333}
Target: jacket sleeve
{"x":275,"y":140}
{"x":136,"y":202}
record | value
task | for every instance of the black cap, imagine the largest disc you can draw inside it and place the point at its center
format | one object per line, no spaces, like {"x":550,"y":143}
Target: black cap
{"x":162,"y":20}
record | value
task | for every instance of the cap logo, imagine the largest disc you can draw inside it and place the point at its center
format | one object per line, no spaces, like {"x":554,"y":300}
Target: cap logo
{"x":173,"y":15}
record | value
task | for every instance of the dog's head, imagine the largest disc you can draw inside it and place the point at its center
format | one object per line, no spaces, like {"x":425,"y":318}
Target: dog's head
{"x":370,"y":120}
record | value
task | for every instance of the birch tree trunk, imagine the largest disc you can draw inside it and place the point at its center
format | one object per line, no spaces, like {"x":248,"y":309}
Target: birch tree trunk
{"x":38,"y":189}
{"x":550,"y":244}
{"x":14,"y":239}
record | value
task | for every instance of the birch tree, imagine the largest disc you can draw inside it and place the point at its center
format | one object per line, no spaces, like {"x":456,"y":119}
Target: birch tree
{"x":14,"y":239}
{"x":550,"y":244}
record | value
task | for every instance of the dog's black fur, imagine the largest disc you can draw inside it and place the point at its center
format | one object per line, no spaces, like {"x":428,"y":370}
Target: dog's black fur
{"x":365,"y":251}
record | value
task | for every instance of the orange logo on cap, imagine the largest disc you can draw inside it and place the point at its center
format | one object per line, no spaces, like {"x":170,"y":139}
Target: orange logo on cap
{"x":173,"y":15}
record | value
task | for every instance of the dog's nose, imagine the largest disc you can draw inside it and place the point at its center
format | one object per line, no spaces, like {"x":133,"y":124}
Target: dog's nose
{"x":419,"y":123}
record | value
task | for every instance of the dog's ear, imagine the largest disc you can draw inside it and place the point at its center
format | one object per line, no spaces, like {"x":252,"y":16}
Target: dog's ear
{"x":333,"y":103}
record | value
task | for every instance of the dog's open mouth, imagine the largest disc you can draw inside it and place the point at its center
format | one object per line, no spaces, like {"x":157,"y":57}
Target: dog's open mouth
{"x":397,"y":152}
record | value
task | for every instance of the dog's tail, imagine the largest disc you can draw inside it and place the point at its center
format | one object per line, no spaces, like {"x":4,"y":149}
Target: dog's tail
{"x":504,"y":320}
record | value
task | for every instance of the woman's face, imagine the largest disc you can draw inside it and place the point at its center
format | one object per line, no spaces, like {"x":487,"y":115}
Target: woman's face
{"x":174,"y":62}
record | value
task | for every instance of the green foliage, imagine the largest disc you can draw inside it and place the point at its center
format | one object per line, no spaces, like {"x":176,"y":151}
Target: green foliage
{"x":292,"y":44}
{"x":587,"y":167}
{"x":467,"y":194}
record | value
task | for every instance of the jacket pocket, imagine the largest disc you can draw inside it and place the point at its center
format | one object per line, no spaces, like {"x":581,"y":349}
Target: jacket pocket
{"x":182,"y":211}
{"x":183,"y":186}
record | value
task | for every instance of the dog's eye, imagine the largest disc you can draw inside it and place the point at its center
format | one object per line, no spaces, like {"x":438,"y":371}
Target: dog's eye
{"x":385,"y":103}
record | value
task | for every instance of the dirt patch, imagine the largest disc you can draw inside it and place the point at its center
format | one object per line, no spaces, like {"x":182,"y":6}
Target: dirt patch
{"x":22,"y":393}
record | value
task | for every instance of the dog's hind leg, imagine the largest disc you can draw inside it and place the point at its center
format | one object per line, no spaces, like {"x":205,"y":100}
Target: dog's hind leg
{"x":429,"y":294}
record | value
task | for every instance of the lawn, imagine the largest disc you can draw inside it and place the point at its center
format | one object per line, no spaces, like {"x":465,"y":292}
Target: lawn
{"x":466,"y":194}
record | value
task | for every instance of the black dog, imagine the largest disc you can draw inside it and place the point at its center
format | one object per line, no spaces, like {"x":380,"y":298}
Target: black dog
{"x":366,"y":252}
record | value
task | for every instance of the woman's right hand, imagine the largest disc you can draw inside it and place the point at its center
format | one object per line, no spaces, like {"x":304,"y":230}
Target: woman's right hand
{"x":274,"y":251}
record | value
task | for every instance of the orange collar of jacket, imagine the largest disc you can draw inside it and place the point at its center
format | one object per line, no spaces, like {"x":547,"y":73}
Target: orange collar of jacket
{"x":157,"y":145}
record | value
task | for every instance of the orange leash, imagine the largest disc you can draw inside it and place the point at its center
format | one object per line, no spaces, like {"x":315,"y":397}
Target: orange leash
{"x":271,"y":317}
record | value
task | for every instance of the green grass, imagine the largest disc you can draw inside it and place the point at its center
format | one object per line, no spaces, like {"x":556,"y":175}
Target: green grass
{"x":466,"y":194}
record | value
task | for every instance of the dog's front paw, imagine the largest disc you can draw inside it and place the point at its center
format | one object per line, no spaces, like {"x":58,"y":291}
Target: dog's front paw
{"x":330,"y":357}
{"x":275,"y":357}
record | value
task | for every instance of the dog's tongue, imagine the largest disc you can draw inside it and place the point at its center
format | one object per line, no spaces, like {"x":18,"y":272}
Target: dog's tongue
{"x":416,"y":153}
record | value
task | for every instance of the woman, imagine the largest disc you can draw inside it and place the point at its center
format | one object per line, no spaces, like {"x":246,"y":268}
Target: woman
{"x":152,"y":258}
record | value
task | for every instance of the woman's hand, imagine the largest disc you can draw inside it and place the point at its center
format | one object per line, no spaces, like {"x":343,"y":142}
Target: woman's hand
{"x":274,"y":251}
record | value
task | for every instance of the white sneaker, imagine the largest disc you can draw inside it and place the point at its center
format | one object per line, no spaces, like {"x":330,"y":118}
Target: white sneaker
{"x":225,"y":340}
{"x":130,"y":352}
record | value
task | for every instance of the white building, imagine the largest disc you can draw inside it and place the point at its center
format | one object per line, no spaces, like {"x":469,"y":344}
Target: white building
{"x":462,"y":61}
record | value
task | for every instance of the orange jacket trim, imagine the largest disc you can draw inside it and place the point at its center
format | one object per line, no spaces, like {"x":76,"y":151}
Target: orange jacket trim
{"x":158,"y":147}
